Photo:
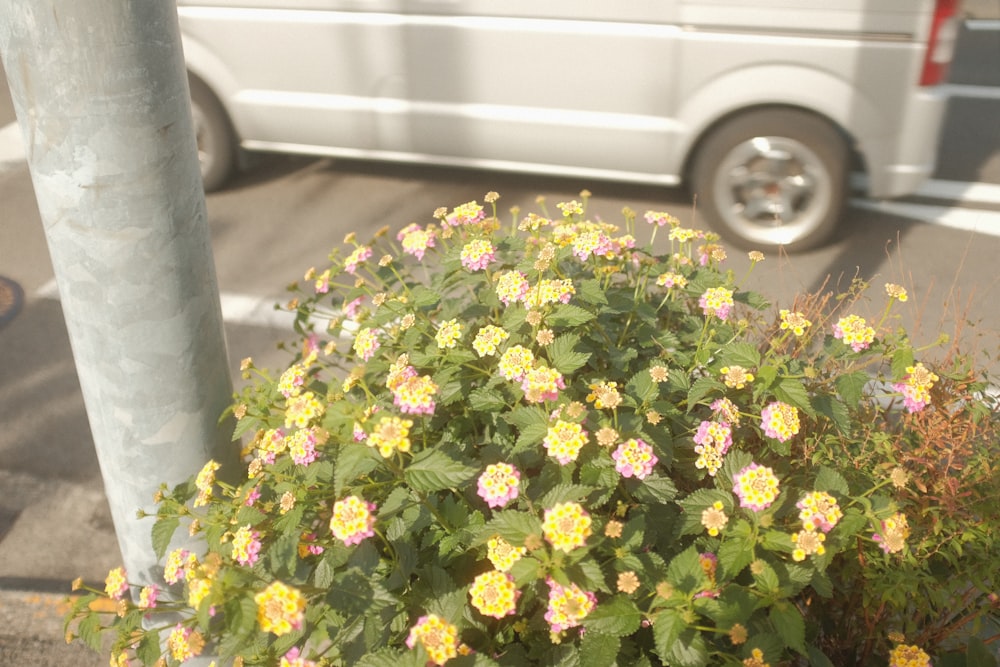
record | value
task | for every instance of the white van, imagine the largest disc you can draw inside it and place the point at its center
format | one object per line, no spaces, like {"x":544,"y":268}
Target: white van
{"x":760,"y":107}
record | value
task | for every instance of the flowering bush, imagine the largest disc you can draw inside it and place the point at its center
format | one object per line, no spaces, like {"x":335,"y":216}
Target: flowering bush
{"x":545,"y":444}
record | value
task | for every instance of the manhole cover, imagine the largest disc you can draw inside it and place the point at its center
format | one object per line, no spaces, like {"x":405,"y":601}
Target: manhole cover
{"x":11,"y":298}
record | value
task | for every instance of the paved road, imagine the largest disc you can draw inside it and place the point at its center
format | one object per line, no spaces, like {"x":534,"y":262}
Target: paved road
{"x":283,"y":215}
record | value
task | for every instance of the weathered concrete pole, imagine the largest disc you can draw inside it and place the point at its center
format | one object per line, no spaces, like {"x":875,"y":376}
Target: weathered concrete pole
{"x":101,"y":95}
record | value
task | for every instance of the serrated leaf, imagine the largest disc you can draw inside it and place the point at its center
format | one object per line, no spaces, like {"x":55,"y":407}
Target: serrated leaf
{"x":829,"y":480}
{"x":695,"y":503}
{"x":148,"y":650}
{"x":790,"y":625}
{"x":654,"y":489}
{"x":618,"y":617}
{"x":643,"y":387}
{"x":564,"y":493}
{"x":423,"y":297}
{"x":433,"y":470}
{"x":530,"y":436}
{"x":667,"y":627}
{"x":598,"y":650}
{"x":851,"y":387}
{"x":685,"y":572}
{"x":740,"y":354}
{"x":793,"y":392}
{"x":734,"y":556}
{"x":678,"y":380}
{"x":568,"y":315}
{"x":766,"y":578}
{"x":522,"y":417}
{"x":589,"y":291}
{"x":834,"y":410}
{"x":486,"y":400}
{"x":901,"y":359}
{"x":689,"y":650}
{"x":388,"y":657}
{"x":162,"y":533}
{"x":701,"y":388}
{"x":89,"y":630}
{"x":513,"y":526}
{"x":563,"y":357}
{"x":354,"y":460}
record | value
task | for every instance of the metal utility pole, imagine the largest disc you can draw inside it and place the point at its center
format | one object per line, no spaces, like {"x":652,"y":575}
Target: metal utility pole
{"x":101,"y":96}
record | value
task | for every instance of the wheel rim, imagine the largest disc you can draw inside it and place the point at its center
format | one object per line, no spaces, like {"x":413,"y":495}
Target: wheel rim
{"x":773,"y":190}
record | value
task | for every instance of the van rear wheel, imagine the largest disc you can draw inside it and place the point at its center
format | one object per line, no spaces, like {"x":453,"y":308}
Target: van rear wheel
{"x":214,"y":136}
{"x":770,"y":178}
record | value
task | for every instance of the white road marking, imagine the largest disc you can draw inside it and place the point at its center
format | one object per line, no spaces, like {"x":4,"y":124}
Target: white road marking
{"x":236,"y":308}
{"x":967,"y":219}
{"x":971,"y":91}
{"x":11,"y":146}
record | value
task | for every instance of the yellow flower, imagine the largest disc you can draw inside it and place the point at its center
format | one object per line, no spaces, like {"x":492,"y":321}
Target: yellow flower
{"x":494,"y":594}
{"x":438,"y":637}
{"x":566,"y":526}
{"x":502,"y":554}
{"x":628,"y":582}
{"x":736,"y":377}
{"x":280,"y":608}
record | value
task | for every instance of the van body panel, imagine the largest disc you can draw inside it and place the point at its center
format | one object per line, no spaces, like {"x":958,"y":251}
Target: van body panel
{"x":623,"y":90}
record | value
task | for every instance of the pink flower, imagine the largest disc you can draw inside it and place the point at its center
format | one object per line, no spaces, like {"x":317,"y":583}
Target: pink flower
{"x":499,"y":484}
{"x":756,"y":487}
{"x":477,"y":255}
{"x":634,"y":458}
{"x":415,"y":240}
{"x":360,"y":254}
{"x":716,"y":301}
{"x":252,"y":496}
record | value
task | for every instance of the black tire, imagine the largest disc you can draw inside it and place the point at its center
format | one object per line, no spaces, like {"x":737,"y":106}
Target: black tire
{"x":214,"y":135}
{"x":772,"y":177}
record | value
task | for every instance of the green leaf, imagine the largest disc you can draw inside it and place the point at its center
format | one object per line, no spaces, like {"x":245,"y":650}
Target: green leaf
{"x":791,"y":627}
{"x":851,"y":387}
{"x":766,"y":578}
{"x":163,"y":532}
{"x":589,"y":291}
{"x":433,"y":470}
{"x":654,"y":489}
{"x":563,"y":357}
{"x":667,"y":627}
{"x":354,"y":460}
{"x":530,"y":436}
{"x":148,"y":650}
{"x":486,"y":400}
{"x":829,"y":480}
{"x":817,"y":658}
{"x":689,"y":650}
{"x":513,"y":526}
{"x":901,"y":359}
{"x":523,"y":417}
{"x":978,"y":654}
{"x":740,"y":354}
{"x":793,"y":392}
{"x":89,"y":630}
{"x":618,"y":617}
{"x":833,"y":409}
{"x":388,"y":657}
{"x":598,"y":650}
{"x":735,"y":555}
{"x":568,"y":315}
{"x":423,"y":297}
{"x":643,"y":388}
{"x":564,"y":493}
{"x":701,"y":388}
{"x":685,"y":572}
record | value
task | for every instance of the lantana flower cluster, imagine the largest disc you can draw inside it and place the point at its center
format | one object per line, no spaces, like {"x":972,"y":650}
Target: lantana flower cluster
{"x":543,"y":442}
